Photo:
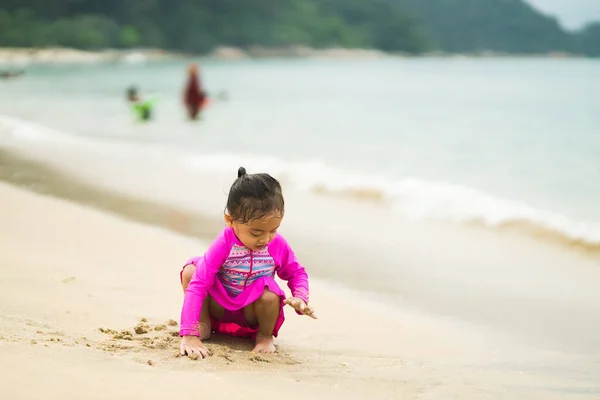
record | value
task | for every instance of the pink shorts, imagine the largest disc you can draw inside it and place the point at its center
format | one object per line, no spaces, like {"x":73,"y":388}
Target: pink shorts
{"x":233,"y":323}
{"x":234,"y":317}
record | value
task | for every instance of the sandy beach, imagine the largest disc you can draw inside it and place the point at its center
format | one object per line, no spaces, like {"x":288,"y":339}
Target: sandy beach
{"x":79,"y":272}
{"x":89,"y":304}
{"x":76,"y":285}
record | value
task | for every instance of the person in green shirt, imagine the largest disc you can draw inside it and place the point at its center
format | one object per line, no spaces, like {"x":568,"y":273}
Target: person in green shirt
{"x":142,"y":108}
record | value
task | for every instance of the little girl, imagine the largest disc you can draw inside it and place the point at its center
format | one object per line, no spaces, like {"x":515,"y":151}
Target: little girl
{"x":244,"y":299}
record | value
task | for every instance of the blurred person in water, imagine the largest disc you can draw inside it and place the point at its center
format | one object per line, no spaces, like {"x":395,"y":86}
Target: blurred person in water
{"x":142,"y":108}
{"x":194,"y":96}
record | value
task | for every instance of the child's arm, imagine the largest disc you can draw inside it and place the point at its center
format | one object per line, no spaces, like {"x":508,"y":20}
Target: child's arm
{"x":200,"y":284}
{"x":290,"y":270}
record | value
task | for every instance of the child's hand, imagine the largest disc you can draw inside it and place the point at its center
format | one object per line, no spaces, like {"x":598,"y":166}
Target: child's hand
{"x":193,"y":347}
{"x":300,"y":306}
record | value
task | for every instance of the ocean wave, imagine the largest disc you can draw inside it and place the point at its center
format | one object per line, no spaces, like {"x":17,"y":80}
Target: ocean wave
{"x":410,"y":197}
{"x":19,"y":130}
{"x":415,"y":198}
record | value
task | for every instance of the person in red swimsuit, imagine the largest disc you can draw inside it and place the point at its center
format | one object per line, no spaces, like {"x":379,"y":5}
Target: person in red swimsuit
{"x":194,"y":96}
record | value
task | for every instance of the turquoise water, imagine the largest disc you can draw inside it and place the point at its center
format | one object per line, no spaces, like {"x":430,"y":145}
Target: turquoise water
{"x":457,"y":134}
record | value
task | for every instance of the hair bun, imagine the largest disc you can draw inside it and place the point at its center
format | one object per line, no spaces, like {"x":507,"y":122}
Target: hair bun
{"x":241,"y":172}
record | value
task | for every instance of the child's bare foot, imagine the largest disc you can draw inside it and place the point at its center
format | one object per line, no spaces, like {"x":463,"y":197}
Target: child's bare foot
{"x":264,"y":344}
{"x":205,"y":330}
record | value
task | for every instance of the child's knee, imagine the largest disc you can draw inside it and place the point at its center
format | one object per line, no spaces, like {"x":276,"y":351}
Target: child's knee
{"x":268,"y":297}
{"x":186,"y":275}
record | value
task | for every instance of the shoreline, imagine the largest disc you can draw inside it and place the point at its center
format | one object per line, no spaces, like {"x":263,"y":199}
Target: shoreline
{"x":59,"y":55}
{"x":42,"y":178}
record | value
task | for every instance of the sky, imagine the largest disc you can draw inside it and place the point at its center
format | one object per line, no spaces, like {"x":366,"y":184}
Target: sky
{"x":572,"y":14}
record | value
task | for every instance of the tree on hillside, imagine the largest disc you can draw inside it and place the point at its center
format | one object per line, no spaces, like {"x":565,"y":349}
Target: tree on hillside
{"x":588,"y":39}
{"x":511,"y":26}
{"x":199,"y":25}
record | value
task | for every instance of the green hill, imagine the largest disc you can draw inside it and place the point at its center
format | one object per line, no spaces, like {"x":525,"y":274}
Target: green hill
{"x":511,"y":26}
{"x":412,"y":26}
{"x":199,"y":25}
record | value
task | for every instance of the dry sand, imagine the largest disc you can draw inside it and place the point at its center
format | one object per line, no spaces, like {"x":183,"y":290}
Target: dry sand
{"x":76,"y":283}
{"x":86,"y":307}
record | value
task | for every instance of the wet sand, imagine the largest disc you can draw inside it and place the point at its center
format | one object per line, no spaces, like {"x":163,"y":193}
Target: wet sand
{"x":77,"y":282}
{"x":37,"y":177}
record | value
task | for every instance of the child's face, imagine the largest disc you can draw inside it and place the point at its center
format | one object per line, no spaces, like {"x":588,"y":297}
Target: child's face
{"x":257,"y":233}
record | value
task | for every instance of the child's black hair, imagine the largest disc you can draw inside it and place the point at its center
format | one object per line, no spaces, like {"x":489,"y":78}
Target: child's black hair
{"x":254,"y":196}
